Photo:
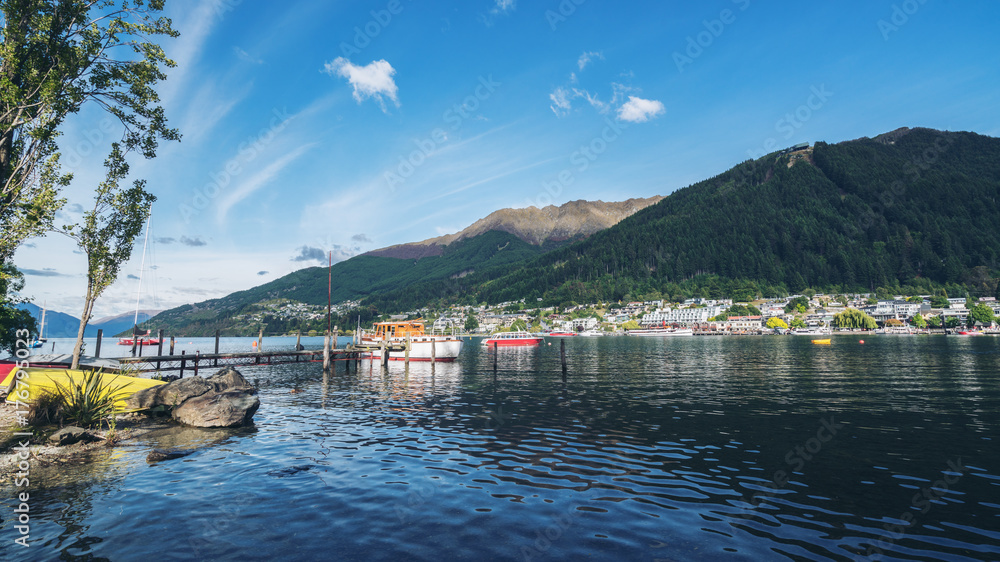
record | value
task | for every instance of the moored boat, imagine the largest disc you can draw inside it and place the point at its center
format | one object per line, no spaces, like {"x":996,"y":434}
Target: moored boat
{"x":507,"y":339}
{"x":423,"y":346}
{"x":660,"y":332}
{"x":562,"y":334}
{"x":822,"y":342}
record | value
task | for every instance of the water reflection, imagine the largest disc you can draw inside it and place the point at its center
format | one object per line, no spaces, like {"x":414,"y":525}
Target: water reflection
{"x":686,"y":448}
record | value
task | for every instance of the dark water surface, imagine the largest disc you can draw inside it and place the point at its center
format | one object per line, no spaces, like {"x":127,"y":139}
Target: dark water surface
{"x":734,"y":448}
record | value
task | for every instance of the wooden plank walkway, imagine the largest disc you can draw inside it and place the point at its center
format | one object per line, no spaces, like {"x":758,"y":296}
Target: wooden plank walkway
{"x":199,"y":360}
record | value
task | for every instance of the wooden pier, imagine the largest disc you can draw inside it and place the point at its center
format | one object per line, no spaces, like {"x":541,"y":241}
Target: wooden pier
{"x":192,"y":363}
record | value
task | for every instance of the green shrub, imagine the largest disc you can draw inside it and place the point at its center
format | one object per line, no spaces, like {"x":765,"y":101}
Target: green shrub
{"x":88,"y":402}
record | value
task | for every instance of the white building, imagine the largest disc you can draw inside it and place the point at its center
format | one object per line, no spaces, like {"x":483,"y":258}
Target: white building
{"x":684,"y":316}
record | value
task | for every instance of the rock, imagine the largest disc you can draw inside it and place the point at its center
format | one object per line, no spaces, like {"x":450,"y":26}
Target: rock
{"x":157,"y":455}
{"x":223,"y":409}
{"x":69,"y":435}
{"x":229,"y":379}
{"x":171,"y":394}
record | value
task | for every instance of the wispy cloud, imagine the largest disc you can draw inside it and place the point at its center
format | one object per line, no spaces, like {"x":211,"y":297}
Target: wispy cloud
{"x":246,"y":57}
{"x":638,"y":110}
{"x":586,"y":57}
{"x":258,"y":180}
{"x":373,"y":80}
{"x":262,"y":273}
{"x":562,"y":102}
{"x":361,"y":238}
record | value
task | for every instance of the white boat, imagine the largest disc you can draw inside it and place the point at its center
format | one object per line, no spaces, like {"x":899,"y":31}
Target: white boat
{"x":810,"y":332}
{"x":661,"y":332}
{"x":591,"y":333}
{"x":518,"y":338}
{"x":423,"y":346}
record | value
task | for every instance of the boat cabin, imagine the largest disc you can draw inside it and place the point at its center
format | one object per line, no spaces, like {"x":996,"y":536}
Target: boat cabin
{"x":387,"y":330}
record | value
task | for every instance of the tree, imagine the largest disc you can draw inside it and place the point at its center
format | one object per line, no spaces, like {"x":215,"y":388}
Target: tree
{"x":798,"y":304}
{"x":853,"y":318}
{"x":918,"y":321}
{"x":16,"y":324}
{"x":518,"y":326}
{"x":981,"y":314}
{"x":471,"y":323}
{"x":939,"y":302}
{"x":797,"y":323}
{"x":934,"y":321}
{"x":55,"y":57}
{"x":108,"y":233}
{"x":775,"y":322}
{"x":631,"y":325}
{"x":952,"y":322}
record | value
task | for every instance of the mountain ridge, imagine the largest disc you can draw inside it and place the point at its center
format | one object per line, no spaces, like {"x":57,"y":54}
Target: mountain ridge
{"x":537,"y":226}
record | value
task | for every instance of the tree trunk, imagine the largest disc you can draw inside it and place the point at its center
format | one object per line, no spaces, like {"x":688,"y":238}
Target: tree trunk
{"x":88,"y":308}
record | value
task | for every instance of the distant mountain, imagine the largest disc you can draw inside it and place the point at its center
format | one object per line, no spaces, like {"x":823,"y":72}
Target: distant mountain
{"x":547,"y":227}
{"x":914,"y":208}
{"x":502,"y":240}
{"x":61,"y":325}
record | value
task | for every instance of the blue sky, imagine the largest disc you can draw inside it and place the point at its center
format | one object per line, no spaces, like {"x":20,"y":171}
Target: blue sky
{"x":318,"y":126}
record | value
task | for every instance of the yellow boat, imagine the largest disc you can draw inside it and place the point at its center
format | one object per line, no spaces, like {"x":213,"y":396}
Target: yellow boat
{"x":822,"y":342}
{"x":38,"y":380}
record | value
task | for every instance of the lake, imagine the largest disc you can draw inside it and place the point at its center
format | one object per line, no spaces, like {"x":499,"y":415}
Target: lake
{"x":698,"y":448}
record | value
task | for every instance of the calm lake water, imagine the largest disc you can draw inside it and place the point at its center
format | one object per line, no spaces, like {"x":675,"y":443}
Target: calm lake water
{"x":729,"y":448}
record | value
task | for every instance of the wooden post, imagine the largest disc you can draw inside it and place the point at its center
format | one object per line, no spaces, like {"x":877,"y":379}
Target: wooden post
{"x":171,"y":345}
{"x":385,"y":354}
{"x":562,"y":353}
{"x":333,"y":348}
{"x":260,"y":340}
{"x":134,"y":339}
{"x":182,"y":364}
{"x":406,"y":352}
{"x":216,"y":363}
{"x":494,"y":357}
{"x":433,"y":352}
{"x":197,"y":356}
{"x":298,"y":342}
{"x":97,"y":348}
{"x":159,"y":342}
{"x":140,"y":349}
{"x":326,"y":354}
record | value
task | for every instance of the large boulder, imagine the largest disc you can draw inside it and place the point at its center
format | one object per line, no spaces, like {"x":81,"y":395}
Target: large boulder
{"x":229,"y":380}
{"x":217,"y":409}
{"x":171,"y":394}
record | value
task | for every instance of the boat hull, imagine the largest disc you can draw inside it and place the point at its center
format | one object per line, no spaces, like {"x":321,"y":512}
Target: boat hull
{"x":39,"y":380}
{"x":446,"y":349}
{"x":657,"y":333}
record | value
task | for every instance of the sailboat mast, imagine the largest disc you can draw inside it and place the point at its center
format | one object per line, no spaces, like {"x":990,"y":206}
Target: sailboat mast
{"x":41,"y":331}
{"x":142,"y":265}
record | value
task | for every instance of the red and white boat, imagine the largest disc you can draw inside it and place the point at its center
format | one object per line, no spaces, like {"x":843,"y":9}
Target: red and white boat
{"x":518,"y":338}
{"x":445,"y":348}
{"x":562,"y":334}
{"x":139,"y":338}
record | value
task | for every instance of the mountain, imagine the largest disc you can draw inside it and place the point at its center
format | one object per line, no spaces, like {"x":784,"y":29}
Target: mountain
{"x":500,"y":241}
{"x":914,"y":208}
{"x":546,"y":227}
{"x":61,"y":325}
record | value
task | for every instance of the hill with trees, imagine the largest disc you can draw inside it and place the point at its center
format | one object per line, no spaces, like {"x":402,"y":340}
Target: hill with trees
{"x":911,"y":210}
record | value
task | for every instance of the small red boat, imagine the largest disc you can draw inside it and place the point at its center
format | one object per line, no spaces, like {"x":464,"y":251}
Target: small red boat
{"x":562,"y":334}
{"x":519,"y":338}
{"x":139,"y":338}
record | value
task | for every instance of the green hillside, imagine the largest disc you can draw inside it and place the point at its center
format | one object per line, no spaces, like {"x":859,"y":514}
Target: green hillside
{"x":914,"y":209}
{"x":353,"y":279}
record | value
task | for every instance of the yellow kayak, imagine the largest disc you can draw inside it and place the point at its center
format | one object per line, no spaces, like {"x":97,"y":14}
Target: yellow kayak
{"x":39,"y":380}
{"x":821,"y":342}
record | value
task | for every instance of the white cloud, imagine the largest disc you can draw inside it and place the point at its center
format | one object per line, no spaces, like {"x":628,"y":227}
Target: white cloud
{"x":585,"y":58}
{"x":257,"y":181}
{"x":371,"y":81}
{"x":638,"y":110}
{"x":504,"y":6}
{"x":561,"y":102}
